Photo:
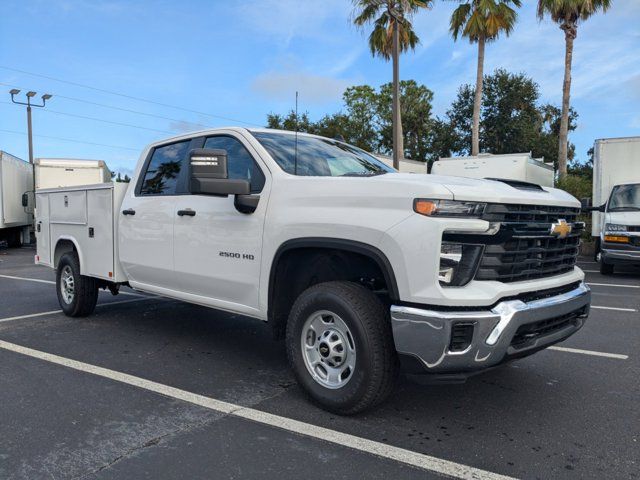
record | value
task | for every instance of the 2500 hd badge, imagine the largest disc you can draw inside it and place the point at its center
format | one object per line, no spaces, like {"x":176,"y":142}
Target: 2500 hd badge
{"x":243,"y":256}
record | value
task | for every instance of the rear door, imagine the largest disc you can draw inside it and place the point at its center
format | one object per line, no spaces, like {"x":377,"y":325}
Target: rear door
{"x":147,"y":216}
{"x":217,"y":251}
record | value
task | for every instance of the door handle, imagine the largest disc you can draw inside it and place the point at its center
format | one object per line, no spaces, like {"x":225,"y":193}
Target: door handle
{"x":188,"y":212}
{"x":129,"y":211}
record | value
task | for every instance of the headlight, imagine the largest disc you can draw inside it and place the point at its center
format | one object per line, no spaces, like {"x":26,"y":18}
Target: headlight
{"x":612,"y":227}
{"x":458,"y":263}
{"x":448,"y":208}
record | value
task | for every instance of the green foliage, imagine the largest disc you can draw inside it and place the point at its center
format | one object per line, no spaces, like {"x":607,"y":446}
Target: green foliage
{"x":569,"y":12}
{"x":476,"y":19}
{"x":511,"y":118}
{"x":512,"y":121}
{"x":383,"y":15}
{"x":576,"y":185}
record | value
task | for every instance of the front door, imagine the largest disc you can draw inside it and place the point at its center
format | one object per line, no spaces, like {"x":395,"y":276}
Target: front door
{"x":217,"y":249}
{"x":146,"y":219}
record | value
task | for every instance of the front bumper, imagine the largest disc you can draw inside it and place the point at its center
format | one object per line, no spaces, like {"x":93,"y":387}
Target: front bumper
{"x":511,"y":329}
{"x":618,"y":254}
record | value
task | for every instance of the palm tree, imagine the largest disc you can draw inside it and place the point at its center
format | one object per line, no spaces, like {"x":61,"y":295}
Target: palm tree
{"x":482,"y":21}
{"x":392,"y":34}
{"x":567,"y":13}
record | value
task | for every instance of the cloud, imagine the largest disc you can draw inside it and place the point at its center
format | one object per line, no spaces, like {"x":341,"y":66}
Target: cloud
{"x":313,"y":88}
{"x":184,"y":126}
{"x":285,"y":20}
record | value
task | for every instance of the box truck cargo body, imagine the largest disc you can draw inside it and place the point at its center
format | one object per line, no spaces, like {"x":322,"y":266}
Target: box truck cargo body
{"x":66,"y":172}
{"x":16,"y":179}
{"x":520,"y":167}
{"x":406,"y":166}
{"x":616,"y":200}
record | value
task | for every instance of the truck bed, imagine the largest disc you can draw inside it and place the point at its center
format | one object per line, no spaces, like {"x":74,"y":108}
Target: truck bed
{"x":87,"y":216}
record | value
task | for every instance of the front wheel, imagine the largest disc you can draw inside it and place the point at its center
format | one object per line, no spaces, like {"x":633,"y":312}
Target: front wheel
{"x":605,"y":268}
{"x":77,"y":294}
{"x":340,"y":347}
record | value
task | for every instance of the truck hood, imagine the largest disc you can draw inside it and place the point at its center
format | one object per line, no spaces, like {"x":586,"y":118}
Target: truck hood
{"x":491,"y":191}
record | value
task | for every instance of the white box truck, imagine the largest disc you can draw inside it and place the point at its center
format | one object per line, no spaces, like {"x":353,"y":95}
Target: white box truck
{"x":616,"y":199}
{"x":362,"y":269}
{"x":16,"y":179}
{"x":66,"y":172}
{"x":519,"y":167}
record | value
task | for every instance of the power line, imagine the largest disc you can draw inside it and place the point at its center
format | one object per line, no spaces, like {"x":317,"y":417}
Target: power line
{"x":124,"y":95}
{"x":128,"y":110}
{"x":101,"y":120}
{"x":73,"y":141}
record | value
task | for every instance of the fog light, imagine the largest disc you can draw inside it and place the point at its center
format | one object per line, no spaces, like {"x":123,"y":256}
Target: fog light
{"x":458,"y":263}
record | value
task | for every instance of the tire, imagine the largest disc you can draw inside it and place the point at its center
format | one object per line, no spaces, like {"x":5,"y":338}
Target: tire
{"x":605,"y":268}
{"x":596,"y":250}
{"x":80,"y":299}
{"x":14,"y":239}
{"x":369,"y":365}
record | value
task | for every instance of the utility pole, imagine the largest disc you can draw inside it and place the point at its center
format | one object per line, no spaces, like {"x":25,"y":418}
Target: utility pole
{"x":28,"y":103}
{"x":30,"y":94}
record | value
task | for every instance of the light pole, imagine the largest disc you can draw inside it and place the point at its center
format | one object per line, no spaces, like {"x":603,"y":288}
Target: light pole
{"x":28,"y":103}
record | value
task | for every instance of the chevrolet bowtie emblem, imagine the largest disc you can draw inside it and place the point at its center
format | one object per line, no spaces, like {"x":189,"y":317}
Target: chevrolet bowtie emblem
{"x":561,"y":229}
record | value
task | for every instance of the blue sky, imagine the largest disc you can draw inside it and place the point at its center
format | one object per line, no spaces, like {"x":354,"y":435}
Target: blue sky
{"x":243,"y":59}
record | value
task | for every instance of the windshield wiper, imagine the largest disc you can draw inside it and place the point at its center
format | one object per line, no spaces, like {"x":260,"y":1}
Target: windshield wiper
{"x":363,"y":174}
{"x":625,"y":209}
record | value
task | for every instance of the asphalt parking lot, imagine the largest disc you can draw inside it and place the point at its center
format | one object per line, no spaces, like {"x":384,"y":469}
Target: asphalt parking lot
{"x":155,"y":388}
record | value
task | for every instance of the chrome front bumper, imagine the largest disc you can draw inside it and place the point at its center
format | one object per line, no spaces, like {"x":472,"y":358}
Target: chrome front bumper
{"x":426,"y":334}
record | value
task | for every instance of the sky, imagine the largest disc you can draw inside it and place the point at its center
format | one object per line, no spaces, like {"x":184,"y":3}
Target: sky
{"x":158,"y":68}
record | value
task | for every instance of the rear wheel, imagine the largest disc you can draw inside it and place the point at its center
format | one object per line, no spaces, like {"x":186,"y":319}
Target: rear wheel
{"x":77,"y":294}
{"x":340,"y":347}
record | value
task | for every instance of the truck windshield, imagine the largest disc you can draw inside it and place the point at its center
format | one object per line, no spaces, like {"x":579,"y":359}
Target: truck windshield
{"x":625,"y":198}
{"x":319,"y":157}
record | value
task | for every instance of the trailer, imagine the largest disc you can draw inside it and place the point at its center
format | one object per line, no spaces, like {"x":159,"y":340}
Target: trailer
{"x":615,"y":223}
{"x":66,"y":172}
{"x":16,"y":180}
{"x":520,"y":167}
{"x":406,"y":165}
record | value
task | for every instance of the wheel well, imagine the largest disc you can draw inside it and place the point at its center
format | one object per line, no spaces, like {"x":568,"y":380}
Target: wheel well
{"x":62,"y":247}
{"x":301,"y":266}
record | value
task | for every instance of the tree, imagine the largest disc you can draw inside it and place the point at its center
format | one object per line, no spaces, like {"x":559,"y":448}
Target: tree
{"x":567,"y":13}
{"x":415,"y":101}
{"x":513,"y":120}
{"x":482,"y":21}
{"x":392,"y":34}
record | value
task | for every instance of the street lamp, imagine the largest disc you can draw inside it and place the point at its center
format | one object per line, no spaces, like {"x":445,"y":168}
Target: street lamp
{"x":30,"y":94}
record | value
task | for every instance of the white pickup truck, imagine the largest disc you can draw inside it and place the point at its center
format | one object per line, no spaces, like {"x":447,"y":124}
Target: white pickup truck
{"x":362,"y":269}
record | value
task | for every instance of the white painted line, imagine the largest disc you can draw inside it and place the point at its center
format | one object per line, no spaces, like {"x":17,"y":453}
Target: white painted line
{"x":27,"y":279}
{"x":415,"y":459}
{"x":618,"y":309}
{"x":51,"y":312}
{"x":613,"y":285}
{"x":51,"y":282}
{"x":590,"y":271}
{"x":590,"y":352}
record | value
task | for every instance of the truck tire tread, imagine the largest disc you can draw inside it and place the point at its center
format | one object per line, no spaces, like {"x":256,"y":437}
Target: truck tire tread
{"x":86,"y":291}
{"x":374,"y":316}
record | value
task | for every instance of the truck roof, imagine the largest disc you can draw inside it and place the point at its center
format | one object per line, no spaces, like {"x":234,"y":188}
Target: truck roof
{"x":618,"y":139}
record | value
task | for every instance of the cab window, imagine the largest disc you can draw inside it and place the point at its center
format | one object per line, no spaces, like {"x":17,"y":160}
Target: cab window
{"x":240,"y":163}
{"x":163,"y":170}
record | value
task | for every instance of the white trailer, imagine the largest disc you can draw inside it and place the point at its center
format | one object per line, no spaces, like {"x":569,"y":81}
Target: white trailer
{"x":16,"y":179}
{"x":616,"y":199}
{"x":66,"y":172}
{"x":406,"y":166}
{"x":512,"y":166}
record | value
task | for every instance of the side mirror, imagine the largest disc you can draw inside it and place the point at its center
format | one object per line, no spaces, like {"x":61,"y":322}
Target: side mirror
{"x":210,"y":175}
{"x":585,"y":203}
{"x":25,"y":200}
{"x":600,"y":208}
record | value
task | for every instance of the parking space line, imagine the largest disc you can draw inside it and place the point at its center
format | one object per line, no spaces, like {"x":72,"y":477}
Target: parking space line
{"x":42,"y":314}
{"x":51,"y":282}
{"x":590,"y":352}
{"x":401,"y":455}
{"x":617,"y":309}
{"x":612,"y":285}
